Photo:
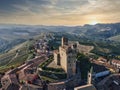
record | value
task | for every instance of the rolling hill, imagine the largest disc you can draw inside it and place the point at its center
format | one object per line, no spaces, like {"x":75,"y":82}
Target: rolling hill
{"x":12,"y":34}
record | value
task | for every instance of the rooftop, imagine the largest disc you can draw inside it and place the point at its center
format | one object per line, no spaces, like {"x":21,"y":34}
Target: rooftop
{"x":11,"y":77}
{"x":102,"y":59}
{"x":112,"y":82}
{"x":116,"y":61}
{"x":85,"y":87}
{"x":31,"y":87}
{"x":98,"y":68}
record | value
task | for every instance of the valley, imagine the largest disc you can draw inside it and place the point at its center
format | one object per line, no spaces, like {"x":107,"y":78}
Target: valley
{"x":13,"y":38}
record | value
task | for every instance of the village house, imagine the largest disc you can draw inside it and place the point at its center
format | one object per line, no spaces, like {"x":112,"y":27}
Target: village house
{"x":116,"y":63}
{"x":10,"y":82}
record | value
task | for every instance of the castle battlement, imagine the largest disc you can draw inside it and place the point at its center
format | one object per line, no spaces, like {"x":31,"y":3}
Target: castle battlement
{"x":66,"y":57}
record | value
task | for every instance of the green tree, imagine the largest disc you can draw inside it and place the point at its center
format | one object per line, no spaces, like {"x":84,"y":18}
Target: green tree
{"x":84,"y":65}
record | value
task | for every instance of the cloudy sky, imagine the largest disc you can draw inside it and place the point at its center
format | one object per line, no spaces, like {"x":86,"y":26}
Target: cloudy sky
{"x":59,"y":12}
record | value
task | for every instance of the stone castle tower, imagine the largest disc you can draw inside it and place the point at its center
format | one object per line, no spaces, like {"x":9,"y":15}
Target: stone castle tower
{"x":66,"y":57}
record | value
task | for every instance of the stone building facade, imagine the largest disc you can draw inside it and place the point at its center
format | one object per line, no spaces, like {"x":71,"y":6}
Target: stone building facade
{"x":66,"y":57}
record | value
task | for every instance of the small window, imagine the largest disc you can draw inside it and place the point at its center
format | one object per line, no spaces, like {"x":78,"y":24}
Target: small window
{"x":68,"y":61}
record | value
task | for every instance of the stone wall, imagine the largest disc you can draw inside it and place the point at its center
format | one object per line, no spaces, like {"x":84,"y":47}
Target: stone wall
{"x":67,"y":84}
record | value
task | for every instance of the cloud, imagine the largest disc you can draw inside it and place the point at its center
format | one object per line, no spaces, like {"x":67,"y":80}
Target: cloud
{"x":23,"y":6}
{"x":67,"y":6}
{"x":6,"y":6}
{"x":65,"y":11}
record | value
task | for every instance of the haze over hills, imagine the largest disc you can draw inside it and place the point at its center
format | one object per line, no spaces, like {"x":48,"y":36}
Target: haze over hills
{"x":12,"y":34}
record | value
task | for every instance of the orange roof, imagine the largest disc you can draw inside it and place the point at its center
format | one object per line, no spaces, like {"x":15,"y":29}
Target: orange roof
{"x":116,"y":61}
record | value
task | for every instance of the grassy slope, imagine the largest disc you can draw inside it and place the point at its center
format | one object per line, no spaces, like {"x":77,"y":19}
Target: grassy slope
{"x":13,"y":58}
{"x":115,"y":38}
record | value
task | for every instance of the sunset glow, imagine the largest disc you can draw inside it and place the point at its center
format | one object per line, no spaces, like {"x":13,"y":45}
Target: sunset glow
{"x":59,"y":12}
{"x":93,"y":22}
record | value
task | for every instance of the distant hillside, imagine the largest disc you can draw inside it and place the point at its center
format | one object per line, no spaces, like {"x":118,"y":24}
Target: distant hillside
{"x":99,"y":31}
{"x":115,"y":38}
{"x":12,"y":34}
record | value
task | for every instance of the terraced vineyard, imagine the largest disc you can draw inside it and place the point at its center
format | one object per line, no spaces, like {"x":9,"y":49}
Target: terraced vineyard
{"x":16,"y":56}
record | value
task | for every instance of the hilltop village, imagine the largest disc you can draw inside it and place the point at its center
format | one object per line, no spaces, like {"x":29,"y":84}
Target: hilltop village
{"x":59,"y":69}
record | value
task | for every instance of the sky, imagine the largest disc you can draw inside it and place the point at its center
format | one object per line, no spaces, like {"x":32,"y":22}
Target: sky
{"x":59,"y":12}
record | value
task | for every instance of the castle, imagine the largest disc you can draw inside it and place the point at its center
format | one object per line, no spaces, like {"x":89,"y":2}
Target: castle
{"x":66,"y":57}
